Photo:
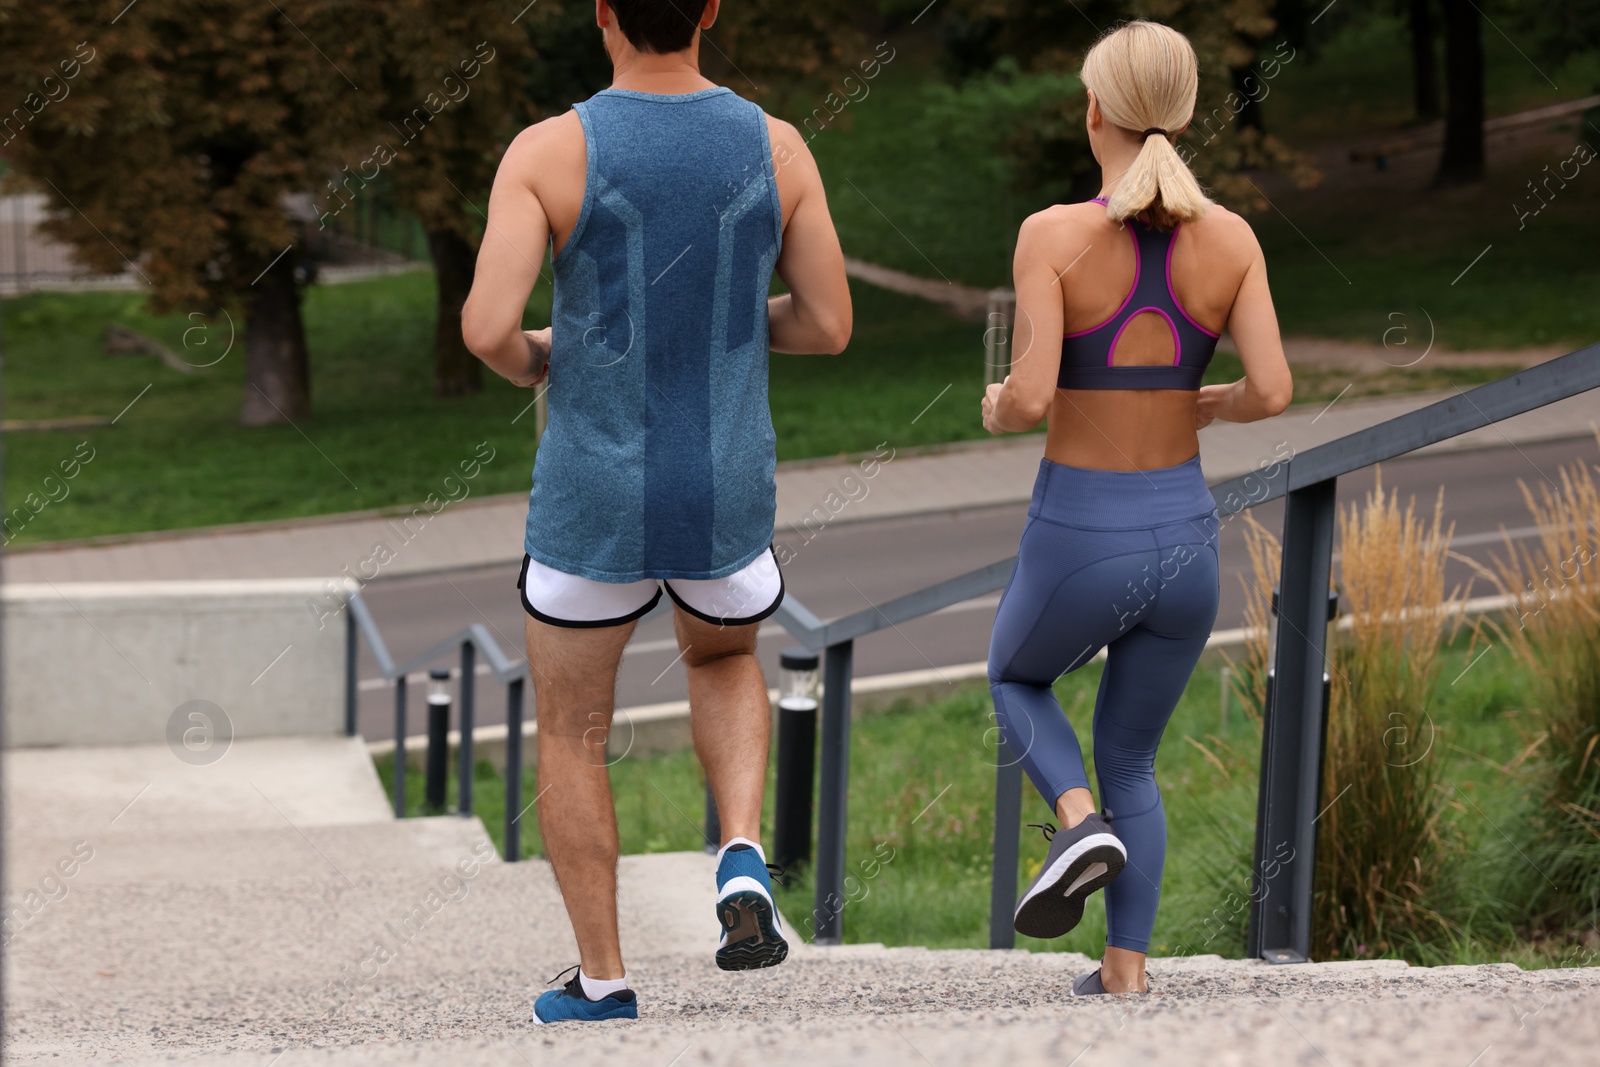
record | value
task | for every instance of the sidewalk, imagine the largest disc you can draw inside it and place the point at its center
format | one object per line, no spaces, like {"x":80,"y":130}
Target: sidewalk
{"x":488,"y":531}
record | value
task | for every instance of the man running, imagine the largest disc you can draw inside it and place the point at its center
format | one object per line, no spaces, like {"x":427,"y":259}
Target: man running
{"x":667,"y":202}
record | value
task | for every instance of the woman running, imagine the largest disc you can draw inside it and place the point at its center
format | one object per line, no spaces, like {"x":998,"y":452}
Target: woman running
{"x":1120,"y":548}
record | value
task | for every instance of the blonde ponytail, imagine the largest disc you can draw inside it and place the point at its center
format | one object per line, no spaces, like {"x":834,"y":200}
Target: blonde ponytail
{"x":1145,"y":78}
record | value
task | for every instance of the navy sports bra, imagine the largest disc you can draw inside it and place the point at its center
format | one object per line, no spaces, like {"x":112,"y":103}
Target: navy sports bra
{"x":1086,"y":355}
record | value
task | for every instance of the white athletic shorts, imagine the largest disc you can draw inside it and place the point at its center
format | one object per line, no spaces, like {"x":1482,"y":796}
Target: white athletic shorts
{"x":560,"y":599}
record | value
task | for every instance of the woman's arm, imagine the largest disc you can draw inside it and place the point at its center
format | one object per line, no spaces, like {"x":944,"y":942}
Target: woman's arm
{"x":1267,"y":386}
{"x":1023,"y":399}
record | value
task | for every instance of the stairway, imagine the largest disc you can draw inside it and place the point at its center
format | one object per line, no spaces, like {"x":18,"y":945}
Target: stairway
{"x":268,"y":910}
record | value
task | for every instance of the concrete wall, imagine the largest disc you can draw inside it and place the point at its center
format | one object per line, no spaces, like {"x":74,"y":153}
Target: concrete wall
{"x":113,"y":663}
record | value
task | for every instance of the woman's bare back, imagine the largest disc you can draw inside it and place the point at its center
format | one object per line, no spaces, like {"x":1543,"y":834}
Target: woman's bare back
{"x":1137,"y":429}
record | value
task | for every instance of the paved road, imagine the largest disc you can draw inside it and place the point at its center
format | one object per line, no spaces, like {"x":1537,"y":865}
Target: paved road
{"x":847,"y":567}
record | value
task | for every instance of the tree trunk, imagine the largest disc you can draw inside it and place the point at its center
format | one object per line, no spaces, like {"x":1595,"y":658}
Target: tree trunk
{"x":1249,"y":90}
{"x":1424,"y":64}
{"x":277,"y":371}
{"x":1461,"y":162}
{"x":456,"y":371}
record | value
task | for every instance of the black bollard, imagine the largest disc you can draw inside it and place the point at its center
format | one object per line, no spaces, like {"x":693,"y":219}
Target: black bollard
{"x":797,"y":758}
{"x":438,"y":760}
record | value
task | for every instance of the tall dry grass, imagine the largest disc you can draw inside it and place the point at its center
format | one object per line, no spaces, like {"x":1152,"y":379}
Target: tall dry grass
{"x":1555,"y":631}
{"x":1382,"y":852}
{"x":1250,"y":672}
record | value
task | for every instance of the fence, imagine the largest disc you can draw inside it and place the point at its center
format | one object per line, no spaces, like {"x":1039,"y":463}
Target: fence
{"x":371,"y":235}
{"x":1294,"y":722}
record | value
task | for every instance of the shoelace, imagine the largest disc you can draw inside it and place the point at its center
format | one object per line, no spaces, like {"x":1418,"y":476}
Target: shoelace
{"x":1049,"y":829}
{"x":575,"y":981}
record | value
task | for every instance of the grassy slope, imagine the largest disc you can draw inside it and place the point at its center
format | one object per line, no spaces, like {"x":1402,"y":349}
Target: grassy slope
{"x":935,"y":761}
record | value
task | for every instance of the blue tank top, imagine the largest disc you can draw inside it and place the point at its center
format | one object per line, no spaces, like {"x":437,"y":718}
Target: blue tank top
{"x":658,"y":457}
{"x":1086,"y":355}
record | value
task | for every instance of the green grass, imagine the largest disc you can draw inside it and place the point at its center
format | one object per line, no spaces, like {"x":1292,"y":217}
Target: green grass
{"x":921,"y":810}
{"x":378,"y":437}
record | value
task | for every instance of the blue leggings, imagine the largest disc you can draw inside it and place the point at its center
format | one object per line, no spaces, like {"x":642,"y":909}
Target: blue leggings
{"x":1127,"y":562}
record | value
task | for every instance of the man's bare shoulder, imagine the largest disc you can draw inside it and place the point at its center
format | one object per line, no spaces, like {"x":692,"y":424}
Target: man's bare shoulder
{"x":788,"y":143}
{"x":550,"y":141}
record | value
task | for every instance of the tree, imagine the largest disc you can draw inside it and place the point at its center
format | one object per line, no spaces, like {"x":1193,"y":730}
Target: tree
{"x":1424,"y":64}
{"x":185,"y":145}
{"x":450,"y":100}
{"x":1462,"y":160}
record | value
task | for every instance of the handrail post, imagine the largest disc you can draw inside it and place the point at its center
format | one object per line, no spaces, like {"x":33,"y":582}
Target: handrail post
{"x":400,"y":747}
{"x":836,"y":670}
{"x":352,"y":637}
{"x":1294,"y":732}
{"x":1003,"y":878}
{"x":468,"y":715}
{"x":513,"y":846}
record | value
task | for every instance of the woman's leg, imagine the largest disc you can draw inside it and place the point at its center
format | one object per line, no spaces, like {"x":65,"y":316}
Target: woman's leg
{"x":1041,"y":631}
{"x":1146,"y":672}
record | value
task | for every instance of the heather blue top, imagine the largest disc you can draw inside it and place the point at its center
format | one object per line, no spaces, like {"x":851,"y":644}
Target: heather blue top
{"x":658,"y":457}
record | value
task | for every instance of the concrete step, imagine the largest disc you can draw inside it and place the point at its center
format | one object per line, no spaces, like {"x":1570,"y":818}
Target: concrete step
{"x":439,"y":1003}
{"x":365,"y":921}
{"x":85,"y":793}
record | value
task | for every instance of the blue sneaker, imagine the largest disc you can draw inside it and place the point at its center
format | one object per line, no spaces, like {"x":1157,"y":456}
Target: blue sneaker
{"x":751,"y":934}
{"x":570,"y":1004}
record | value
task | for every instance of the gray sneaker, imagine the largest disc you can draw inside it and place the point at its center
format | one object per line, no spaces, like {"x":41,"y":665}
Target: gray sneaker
{"x":1089,"y":985}
{"x":1081,"y":860}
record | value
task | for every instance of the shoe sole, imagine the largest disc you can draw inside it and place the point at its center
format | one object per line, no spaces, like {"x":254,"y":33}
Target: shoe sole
{"x":750,"y":925}
{"x":580,"y":1019}
{"x":1055,"y":903}
{"x":576,"y":1019}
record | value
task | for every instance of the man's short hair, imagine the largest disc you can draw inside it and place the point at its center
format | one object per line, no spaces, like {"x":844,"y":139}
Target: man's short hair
{"x":658,"y":25}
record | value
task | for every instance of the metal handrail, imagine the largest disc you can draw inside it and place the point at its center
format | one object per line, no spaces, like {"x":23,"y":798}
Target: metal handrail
{"x":1293,"y":722}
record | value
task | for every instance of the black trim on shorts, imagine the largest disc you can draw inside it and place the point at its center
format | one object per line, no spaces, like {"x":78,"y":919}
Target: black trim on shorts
{"x":577,"y":624}
{"x":745,"y":621}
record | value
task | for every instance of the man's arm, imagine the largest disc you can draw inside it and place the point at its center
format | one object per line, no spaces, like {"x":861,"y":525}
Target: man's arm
{"x":815,"y":314}
{"x":508,"y":266}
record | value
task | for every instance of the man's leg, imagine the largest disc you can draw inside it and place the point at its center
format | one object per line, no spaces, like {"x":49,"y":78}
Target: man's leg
{"x":730,"y":717}
{"x":574,"y":683}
